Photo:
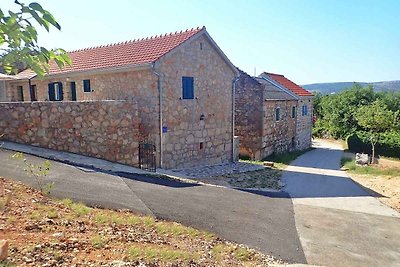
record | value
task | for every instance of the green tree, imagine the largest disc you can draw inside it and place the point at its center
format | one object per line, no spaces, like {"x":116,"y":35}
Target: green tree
{"x":19,"y":39}
{"x":376,"y":119}
{"x":337,"y":111}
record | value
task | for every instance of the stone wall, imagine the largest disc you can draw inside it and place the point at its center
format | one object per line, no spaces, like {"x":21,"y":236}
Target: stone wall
{"x":135,"y":85}
{"x":304,"y":124}
{"x":102,"y":129}
{"x":278,"y":136}
{"x":188,"y":140}
{"x":249,"y":115}
{"x":197,"y":131}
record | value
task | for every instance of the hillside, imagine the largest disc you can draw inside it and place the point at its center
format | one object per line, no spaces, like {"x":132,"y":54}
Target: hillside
{"x":328,"y":88}
{"x":41,"y":231}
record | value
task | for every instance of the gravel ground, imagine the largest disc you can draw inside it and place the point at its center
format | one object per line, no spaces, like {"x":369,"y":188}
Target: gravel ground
{"x":265,"y":178}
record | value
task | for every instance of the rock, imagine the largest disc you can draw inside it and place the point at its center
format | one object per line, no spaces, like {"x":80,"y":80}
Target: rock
{"x":268,"y":163}
{"x":58,"y":235}
{"x":362,"y":159}
{"x":3,"y":249}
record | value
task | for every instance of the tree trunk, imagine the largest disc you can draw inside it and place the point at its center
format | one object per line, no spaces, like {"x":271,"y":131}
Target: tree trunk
{"x":373,"y":153}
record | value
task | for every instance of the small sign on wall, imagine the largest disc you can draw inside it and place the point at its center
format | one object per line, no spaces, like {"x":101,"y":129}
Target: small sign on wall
{"x":164,"y":129}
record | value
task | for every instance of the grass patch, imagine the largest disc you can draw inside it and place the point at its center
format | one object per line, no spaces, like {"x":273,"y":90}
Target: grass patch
{"x":11,"y":220}
{"x":149,"y":221}
{"x":133,"y":220}
{"x":98,"y":241}
{"x":52,"y":214}
{"x":6,"y":263}
{"x":368,"y":170}
{"x":79,"y":209}
{"x":220,"y":251}
{"x":242,"y":254}
{"x":36,"y":215}
{"x":101,"y":218}
{"x":150,"y":254}
{"x":282,"y":159}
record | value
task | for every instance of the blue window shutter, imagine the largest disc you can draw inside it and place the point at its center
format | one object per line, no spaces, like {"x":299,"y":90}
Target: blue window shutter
{"x":187,"y":87}
{"x":51,"y":92}
{"x":60,"y":91}
{"x":191,"y":87}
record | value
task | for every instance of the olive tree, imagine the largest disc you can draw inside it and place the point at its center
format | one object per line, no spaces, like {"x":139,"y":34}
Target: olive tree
{"x":375,"y":119}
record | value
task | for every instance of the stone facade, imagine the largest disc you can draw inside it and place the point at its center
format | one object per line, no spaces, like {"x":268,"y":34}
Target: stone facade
{"x":304,"y":123}
{"x":249,"y":113}
{"x":196,"y":131}
{"x":102,"y":129}
{"x":261,"y":133}
{"x":199,"y":130}
{"x":278,"y":136}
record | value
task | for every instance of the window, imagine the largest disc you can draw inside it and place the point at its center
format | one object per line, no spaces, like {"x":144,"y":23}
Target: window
{"x":86,"y":86}
{"x":277,"y":114}
{"x":304,"y":110}
{"x":293,"y":111}
{"x":33,"y":93}
{"x":187,"y":87}
{"x":20,"y":91}
{"x":56,"y":91}
{"x":73,"y":91}
{"x":201,"y":145}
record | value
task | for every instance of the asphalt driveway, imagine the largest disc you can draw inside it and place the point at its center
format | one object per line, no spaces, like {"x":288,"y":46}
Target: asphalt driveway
{"x":322,"y":217}
{"x":338,"y":221}
{"x":253,"y":218}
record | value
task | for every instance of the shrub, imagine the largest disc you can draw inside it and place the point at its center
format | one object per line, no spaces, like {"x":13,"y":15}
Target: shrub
{"x":388,"y":144}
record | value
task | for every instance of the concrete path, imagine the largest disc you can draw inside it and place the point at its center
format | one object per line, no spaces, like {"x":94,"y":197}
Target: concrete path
{"x":257,"y":219}
{"x":338,"y":222}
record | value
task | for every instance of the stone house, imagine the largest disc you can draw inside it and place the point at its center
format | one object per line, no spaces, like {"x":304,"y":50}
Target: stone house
{"x":180,"y":83}
{"x":267,"y":118}
{"x":304,"y":108}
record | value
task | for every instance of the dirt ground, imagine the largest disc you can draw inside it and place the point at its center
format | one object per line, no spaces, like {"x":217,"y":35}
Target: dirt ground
{"x":388,"y":187}
{"x":42,"y":231}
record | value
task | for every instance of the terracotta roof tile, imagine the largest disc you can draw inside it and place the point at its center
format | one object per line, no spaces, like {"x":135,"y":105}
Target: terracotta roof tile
{"x":134,"y":52}
{"x":288,"y":84}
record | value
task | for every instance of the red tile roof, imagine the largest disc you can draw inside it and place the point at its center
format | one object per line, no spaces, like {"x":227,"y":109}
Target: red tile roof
{"x":288,"y":84}
{"x":134,"y":52}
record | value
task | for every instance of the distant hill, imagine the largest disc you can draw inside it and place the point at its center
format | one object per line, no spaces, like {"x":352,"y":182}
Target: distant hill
{"x":329,"y":88}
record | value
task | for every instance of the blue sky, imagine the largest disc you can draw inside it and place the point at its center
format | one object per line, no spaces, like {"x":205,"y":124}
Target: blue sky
{"x":307,"y":41}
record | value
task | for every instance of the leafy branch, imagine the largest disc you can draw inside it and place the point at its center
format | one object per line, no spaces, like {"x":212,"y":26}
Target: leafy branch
{"x":19,"y":40}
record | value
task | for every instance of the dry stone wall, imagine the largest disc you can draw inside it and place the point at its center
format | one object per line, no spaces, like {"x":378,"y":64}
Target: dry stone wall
{"x":103,"y":129}
{"x":249,"y":115}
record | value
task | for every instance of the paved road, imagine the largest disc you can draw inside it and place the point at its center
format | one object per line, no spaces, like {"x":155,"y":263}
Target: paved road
{"x":322,"y":218}
{"x":338,"y":222}
{"x":259,"y":221}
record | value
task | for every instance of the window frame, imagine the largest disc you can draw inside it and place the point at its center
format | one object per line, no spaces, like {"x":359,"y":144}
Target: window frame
{"x":294,"y":112}
{"x":185,"y":94}
{"x":304,"y":111}
{"x":57,"y":96}
{"x":20,"y":93}
{"x":87,"y":88}
{"x":72,"y":85}
{"x":277,"y":114}
{"x":33,"y":92}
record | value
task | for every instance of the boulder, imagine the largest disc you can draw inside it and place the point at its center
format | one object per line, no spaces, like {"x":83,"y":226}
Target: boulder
{"x":362,"y":159}
{"x":3,"y":250}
